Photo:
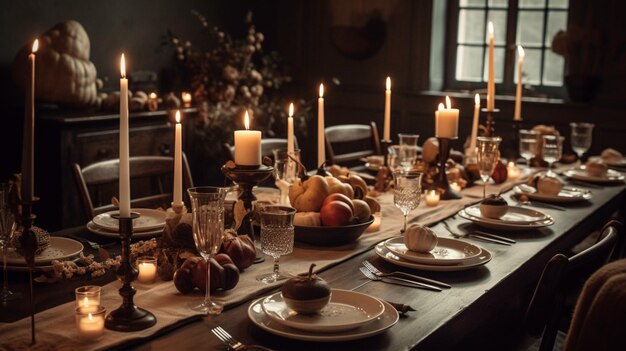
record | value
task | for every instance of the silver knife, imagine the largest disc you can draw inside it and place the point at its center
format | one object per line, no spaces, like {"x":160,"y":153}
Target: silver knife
{"x":493,"y":236}
{"x":488,"y":239}
{"x":410,"y":283}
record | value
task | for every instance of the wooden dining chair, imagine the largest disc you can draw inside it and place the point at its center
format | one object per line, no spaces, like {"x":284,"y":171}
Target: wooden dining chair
{"x":547,"y":304}
{"x":346,"y":144}
{"x":151,"y":183}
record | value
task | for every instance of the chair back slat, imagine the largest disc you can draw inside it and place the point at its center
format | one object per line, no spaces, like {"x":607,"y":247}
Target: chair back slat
{"x":348,"y":143}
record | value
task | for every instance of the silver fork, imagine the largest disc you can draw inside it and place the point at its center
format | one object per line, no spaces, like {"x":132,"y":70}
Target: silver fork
{"x":482,"y":236}
{"x":370,"y":267}
{"x":398,"y":281}
{"x":226,"y":338}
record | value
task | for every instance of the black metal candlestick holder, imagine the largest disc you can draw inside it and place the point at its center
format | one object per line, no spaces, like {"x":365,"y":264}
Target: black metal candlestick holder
{"x":128,"y":317}
{"x":490,"y":129}
{"x":441,"y":183}
{"x":512,"y":152}
{"x":247,"y":177}
{"x":384,"y":176}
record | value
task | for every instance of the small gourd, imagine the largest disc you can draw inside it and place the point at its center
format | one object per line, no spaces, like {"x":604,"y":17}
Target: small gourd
{"x":549,"y":185}
{"x":419,"y":238}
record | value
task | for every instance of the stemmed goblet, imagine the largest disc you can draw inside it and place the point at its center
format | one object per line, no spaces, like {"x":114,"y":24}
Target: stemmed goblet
{"x":285,"y":171}
{"x":551,"y":151}
{"x":207,"y":205}
{"x":528,"y":142}
{"x":7,"y":228}
{"x":408,"y":150}
{"x":407,"y":192}
{"x":487,"y":156}
{"x":581,"y":137}
{"x":277,"y":233}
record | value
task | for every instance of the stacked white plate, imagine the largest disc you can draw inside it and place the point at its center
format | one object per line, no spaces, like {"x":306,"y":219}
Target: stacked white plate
{"x":564,"y":196}
{"x":349,"y":315}
{"x":448,"y":255}
{"x":516,"y":218}
{"x":150,"y":223}
{"x":580,"y":173}
{"x":59,"y":249}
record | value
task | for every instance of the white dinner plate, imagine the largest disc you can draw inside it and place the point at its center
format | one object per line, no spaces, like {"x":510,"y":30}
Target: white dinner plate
{"x":385,"y":321}
{"x":448,"y":251}
{"x":621,"y":163}
{"x":514,"y":215}
{"x":564,"y":196}
{"x":502,"y":225}
{"x":580,"y":173}
{"x":346,"y":310}
{"x":385,"y":254}
{"x":92,"y":227}
{"x":149,"y":219}
{"x":59,"y":249}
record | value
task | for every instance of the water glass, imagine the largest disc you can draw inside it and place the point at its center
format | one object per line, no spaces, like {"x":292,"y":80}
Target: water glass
{"x":407,"y":192}
{"x":207,"y":204}
{"x":88,"y":298}
{"x":528,"y":142}
{"x":276,"y":237}
{"x":488,"y":154}
{"x":7,"y":229}
{"x":581,"y":137}
{"x":408,"y":150}
{"x":285,"y":171}
{"x":552,"y":150}
{"x":393,"y":157}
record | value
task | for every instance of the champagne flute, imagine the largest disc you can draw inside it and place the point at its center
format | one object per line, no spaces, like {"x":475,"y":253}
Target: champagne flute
{"x":551,"y":151}
{"x":528,"y":141}
{"x":581,"y":137}
{"x":7,"y":229}
{"x":276,"y":237}
{"x":285,"y":172}
{"x":487,"y":156}
{"x":207,"y":205}
{"x":407,"y":192}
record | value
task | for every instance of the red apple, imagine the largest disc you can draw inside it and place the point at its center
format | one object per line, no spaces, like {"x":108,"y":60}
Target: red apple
{"x":338,"y":197}
{"x":336,"y":214}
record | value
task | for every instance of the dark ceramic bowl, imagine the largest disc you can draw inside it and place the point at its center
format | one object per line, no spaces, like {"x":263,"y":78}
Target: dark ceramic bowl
{"x":331,"y":236}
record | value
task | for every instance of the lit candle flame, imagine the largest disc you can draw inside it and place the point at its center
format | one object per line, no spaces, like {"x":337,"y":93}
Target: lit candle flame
{"x":388,"y":83}
{"x":441,"y":107}
{"x":35,"y":45}
{"x":490,"y":29}
{"x":153,"y":95}
{"x":291,"y":109}
{"x":448,"y":103}
{"x":123,"y":67}
{"x":85,"y":302}
{"x":321,"y":90}
{"x":90,"y":317}
{"x":520,"y":51}
{"x":477,"y":99}
{"x":246,"y":120}
{"x":177,"y":116}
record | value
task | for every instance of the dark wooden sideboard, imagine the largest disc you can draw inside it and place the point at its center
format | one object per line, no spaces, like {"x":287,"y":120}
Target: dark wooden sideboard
{"x":67,"y":137}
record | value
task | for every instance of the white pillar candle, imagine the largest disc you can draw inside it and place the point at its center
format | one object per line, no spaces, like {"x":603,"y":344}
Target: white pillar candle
{"x":491,"y":84}
{"x":247,"y":145}
{"x":447,"y":121}
{"x":28,"y":143}
{"x":387,"y":125}
{"x":124,"y":175}
{"x":178,"y":164}
{"x":432,"y":198}
{"x":147,"y":267}
{"x":472,"y":146}
{"x":518,"y":92}
{"x":91,"y":325}
{"x":321,"y":148}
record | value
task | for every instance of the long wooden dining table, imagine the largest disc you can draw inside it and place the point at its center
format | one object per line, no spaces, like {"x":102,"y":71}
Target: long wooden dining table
{"x":483,"y":308}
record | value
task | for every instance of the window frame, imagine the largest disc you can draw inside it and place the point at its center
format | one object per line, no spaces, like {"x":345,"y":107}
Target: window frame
{"x":508,"y":84}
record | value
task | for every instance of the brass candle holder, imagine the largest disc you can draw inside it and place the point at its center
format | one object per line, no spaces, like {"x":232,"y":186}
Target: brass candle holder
{"x":128,"y":317}
{"x":384,"y":177}
{"x":441,"y":182}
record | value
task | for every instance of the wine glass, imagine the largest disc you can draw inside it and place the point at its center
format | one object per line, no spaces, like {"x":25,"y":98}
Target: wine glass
{"x":552,"y":150}
{"x":7,"y":228}
{"x":276,"y":237}
{"x":407,"y":191}
{"x":581,"y":137}
{"x":528,"y":141}
{"x":207,"y":205}
{"x":487,"y":156}
{"x":285,"y":172}
{"x":408,"y":150}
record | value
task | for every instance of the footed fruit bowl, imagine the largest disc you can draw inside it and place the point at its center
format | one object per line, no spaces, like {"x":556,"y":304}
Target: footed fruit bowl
{"x":331,"y":236}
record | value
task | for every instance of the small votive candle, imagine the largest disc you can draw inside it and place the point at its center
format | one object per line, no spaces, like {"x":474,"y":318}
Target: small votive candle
{"x":456,"y":187}
{"x":432,"y":198}
{"x":90,"y":325}
{"x":88,"y":298}
{"x":147,"y":267}
{"x":186,"y":96}
{"x":513,"y":172}
{"x":153,"y":102}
